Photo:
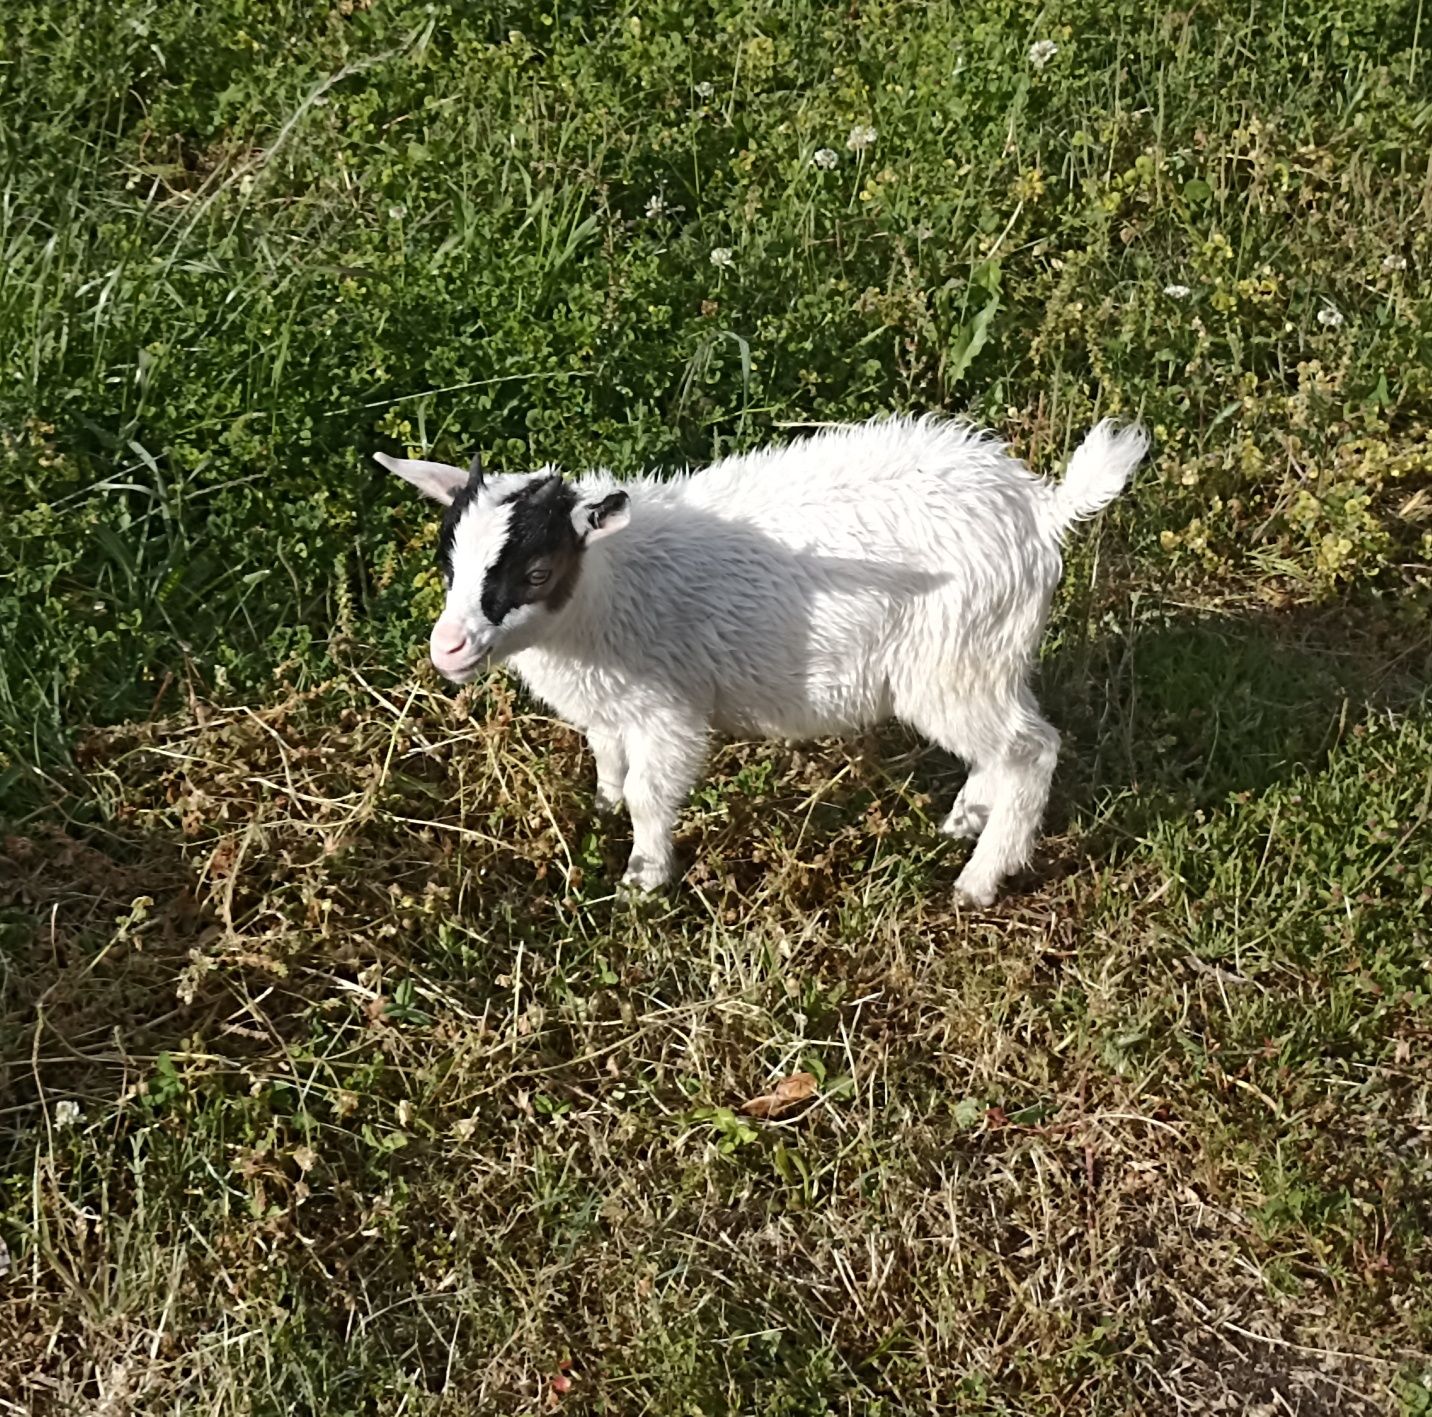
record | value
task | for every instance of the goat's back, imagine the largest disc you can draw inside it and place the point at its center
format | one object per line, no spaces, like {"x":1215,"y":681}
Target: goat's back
{"x":900,"y":490}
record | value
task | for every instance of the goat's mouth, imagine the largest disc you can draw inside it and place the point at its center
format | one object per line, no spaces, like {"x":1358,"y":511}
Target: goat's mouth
{"x":463,"y":671}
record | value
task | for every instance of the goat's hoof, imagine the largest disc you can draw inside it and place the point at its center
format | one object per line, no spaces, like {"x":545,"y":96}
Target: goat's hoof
{"x":608,"y":801}
{"x":642,"y":880}
{"x":975,"y":895}
{"x":964,"y":823}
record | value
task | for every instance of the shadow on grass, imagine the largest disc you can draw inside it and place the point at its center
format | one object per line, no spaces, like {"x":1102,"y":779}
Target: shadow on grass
{"x":1175,"y":711}
{"x":1180,"y":711}
{"x":91,"y":928}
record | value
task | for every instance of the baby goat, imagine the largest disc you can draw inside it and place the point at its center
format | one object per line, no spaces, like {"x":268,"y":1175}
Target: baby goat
{"x":896,"y":568}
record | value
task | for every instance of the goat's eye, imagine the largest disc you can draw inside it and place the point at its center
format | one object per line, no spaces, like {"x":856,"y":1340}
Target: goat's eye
{"x":539,"y":575}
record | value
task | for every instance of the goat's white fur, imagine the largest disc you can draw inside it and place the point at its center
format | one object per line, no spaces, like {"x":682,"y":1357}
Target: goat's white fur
{"x":896,"y":568}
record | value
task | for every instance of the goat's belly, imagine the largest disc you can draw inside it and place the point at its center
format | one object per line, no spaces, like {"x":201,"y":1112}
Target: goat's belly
{"x":822,"y":708}
{"x":751,"y":698}
{"x":832,"y":680}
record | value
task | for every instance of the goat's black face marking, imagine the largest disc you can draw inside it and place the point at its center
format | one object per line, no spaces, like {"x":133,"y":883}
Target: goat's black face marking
{"x":540,"y":535}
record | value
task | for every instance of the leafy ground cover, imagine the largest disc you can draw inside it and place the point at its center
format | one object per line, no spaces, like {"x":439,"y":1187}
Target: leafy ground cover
{"x":333,"y":1078}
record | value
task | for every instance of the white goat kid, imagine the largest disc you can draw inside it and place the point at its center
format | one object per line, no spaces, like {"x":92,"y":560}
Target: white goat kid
{"x":896,"y":568}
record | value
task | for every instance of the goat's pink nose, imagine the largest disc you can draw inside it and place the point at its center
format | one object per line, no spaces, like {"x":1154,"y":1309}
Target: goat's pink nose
{"x":449,"y":639}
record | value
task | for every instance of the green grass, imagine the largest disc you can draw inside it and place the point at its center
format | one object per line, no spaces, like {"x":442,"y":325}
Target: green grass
{"x":385,"y":1104}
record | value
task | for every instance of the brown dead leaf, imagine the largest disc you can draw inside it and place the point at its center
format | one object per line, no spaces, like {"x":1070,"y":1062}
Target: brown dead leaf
{"x":221,"y":862}
{"x":787,"y":1093}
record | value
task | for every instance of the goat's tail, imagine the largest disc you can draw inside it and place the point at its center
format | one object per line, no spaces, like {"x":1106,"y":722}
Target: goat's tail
{"x":1099,"y":470}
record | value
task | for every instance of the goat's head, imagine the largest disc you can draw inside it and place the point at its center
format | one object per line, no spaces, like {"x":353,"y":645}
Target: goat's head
{"x":510,"y":551}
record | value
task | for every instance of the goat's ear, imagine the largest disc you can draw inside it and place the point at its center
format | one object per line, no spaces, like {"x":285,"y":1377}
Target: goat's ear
{"x":594,"y":520}
{"x":437,"y":480}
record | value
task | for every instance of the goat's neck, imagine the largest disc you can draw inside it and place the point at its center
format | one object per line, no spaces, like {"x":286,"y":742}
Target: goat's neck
{"x":581,"y":622}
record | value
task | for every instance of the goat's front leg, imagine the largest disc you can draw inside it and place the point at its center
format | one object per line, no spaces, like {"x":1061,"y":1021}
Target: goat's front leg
{"x":610,"y":753}
{"x":664,"y":760}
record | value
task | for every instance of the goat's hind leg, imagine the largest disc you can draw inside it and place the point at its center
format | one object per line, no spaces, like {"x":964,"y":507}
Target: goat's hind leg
{"x":1011,"y":750}
{"x":970,"y":813}
{"x":1018,"y":778}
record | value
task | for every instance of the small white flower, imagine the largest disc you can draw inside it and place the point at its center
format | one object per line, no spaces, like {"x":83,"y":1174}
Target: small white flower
{"x":1330,"y":317}
{"x":67,"y":1113}
{"x":1042,"y":51}
{"x":655,"y":206}
{"x":705,"y":89}
{"x":861,"y":137}
{"x":722,"y":256}
{"x":825,"y":158}
{"x":1177,"y":292}
{"x":1394,"y":263}
{"x":397,"y":213}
